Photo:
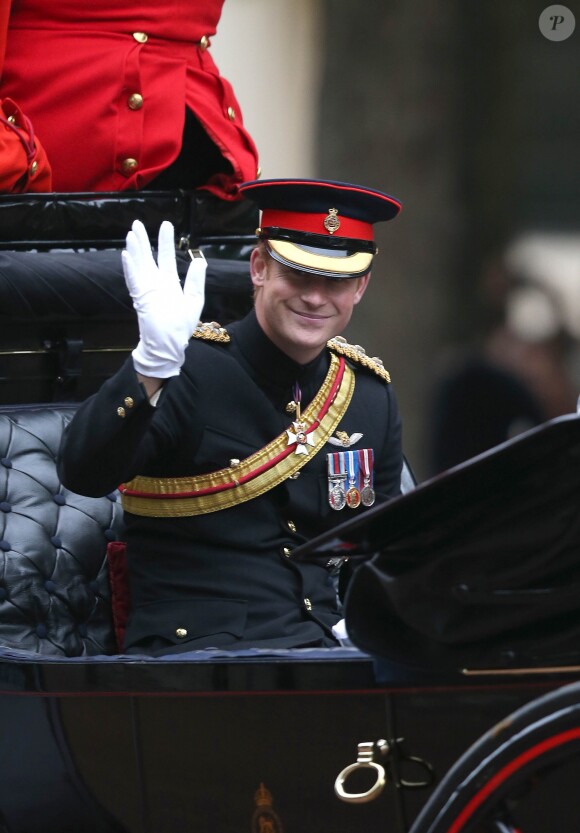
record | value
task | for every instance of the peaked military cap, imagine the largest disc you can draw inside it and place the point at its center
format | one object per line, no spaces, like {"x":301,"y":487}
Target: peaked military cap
{"x":320,"y":226}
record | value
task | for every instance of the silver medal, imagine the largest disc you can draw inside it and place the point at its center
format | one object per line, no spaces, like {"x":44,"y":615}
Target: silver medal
{"x":337,"y":498}
{"x":367,"y":495}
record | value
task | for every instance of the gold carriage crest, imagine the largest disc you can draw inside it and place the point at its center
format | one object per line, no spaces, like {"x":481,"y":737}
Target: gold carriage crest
{"x":265,"y":819}
{"x":331,"y":221}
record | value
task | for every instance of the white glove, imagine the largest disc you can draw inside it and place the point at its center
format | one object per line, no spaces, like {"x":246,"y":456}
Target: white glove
{"x":167,"y":314}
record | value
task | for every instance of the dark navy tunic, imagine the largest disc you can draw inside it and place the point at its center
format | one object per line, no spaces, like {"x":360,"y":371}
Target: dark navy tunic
{"x":226,"y":578}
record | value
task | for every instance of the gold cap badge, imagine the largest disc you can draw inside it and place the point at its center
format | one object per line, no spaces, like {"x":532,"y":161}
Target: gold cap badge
{"x":331,"y":221}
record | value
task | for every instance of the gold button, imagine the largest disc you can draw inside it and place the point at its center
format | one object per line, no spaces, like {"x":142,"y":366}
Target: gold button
{"x":140,"y":37}
{"x":291,"y":526}
{"x":204,"y":42}
{"x":231,"y":114}
{"x":120,"y":411}
{"x":307,"y":604}
{"x":11,"y":119}
{"x":129,"y":402}
{"x":33,"y":168}
{"x":135,"y":101}
{"x":287,"y":551}
{"x":128,"y":166}
{"x":181,"y":632}
{"x":258,"y":173}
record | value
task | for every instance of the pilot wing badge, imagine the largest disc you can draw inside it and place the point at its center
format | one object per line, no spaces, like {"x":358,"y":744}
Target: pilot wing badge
{"x":343,"y":440}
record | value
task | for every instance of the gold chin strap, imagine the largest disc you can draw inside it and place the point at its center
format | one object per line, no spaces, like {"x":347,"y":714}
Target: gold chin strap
{"x":172,"y":497}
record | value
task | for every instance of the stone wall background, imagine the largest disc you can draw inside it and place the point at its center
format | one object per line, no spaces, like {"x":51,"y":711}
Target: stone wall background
{"x":471,"y":117}
{"x":461,"y":109}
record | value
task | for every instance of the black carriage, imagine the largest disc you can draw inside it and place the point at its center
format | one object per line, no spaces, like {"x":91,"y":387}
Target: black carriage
{"x":457,"y":707}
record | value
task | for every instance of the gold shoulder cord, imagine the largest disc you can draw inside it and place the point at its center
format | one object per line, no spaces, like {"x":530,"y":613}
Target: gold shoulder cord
{"x":357,"y":354}
{"x":211,"y":332}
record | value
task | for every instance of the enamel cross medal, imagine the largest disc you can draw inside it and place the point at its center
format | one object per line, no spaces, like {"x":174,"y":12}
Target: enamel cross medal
{"x":300,"y":436}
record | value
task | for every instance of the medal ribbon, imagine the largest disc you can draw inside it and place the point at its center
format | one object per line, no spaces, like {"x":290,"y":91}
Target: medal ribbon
{"x":352,"y":494}
{"x":336,"y":470}
{"x":366,"y":460}
{"x":352,"y":463}
{"x":297,"y":400}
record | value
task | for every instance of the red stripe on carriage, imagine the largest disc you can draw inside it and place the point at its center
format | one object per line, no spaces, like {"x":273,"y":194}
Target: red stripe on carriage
{"x":509,"y":769}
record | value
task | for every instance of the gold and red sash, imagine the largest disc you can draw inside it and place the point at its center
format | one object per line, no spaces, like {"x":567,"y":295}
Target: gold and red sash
{"x":173,"y":497}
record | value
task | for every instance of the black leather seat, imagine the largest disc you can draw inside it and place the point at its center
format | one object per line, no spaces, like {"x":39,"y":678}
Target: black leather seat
{"x":54,"y":589}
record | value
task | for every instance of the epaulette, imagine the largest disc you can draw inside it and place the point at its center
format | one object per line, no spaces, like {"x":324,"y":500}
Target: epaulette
{"x":211,"y":332}
{"x":357,"y":354}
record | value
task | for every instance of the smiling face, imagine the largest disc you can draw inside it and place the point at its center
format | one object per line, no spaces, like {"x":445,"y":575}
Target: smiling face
{"x":298,"y":311}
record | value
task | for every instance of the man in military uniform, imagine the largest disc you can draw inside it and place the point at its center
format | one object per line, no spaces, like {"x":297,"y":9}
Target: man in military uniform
{"x":235,"y":446}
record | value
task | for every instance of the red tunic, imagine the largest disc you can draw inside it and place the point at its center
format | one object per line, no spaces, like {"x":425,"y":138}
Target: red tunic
{"x":106,"y":87}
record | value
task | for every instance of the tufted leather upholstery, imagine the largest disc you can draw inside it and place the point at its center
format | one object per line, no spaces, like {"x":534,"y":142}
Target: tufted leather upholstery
{"x":54,"y":590}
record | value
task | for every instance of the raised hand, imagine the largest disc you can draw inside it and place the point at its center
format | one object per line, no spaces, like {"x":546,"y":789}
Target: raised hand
{"x":167,"y":314}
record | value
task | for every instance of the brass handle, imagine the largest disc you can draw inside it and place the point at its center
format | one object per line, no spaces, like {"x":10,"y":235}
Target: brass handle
{"x":365,"y":760}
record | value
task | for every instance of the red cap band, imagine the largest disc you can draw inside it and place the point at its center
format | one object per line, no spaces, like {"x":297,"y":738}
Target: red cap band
{"x":318,"y":223}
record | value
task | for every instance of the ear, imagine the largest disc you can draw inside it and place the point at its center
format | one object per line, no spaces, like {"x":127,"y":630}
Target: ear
{"x":361,"y":288}
{"x":258,"y":266}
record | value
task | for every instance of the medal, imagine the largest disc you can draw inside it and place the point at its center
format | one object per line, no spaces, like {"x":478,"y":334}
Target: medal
{"x":337,"y":498}
{"x":301,"y":436}
{"x":367,"y":496}
{"x":336,"y":478}
{"x":353,"y":496}
{"x":366,"y":464}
